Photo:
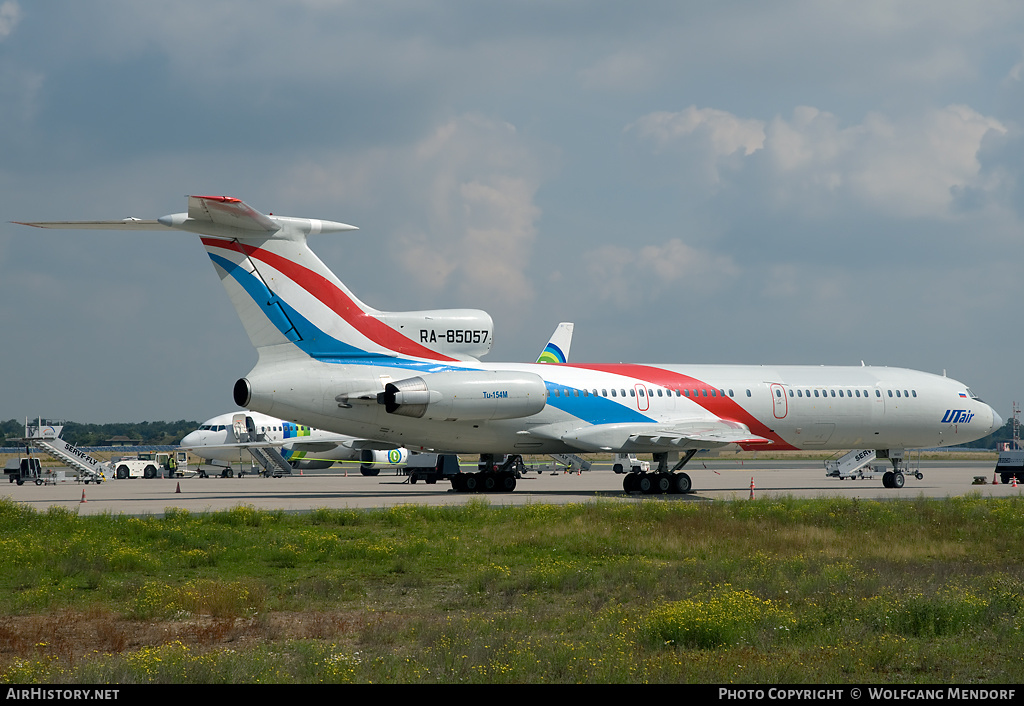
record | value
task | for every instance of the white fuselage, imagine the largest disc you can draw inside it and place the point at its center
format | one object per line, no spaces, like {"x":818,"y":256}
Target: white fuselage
{"x":793,"y":407}
{"x":215,"y":439}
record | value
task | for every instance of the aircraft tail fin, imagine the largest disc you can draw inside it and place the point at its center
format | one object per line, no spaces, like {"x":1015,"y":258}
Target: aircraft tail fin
{"x":288,"y":298}
{"x":557,"y":349}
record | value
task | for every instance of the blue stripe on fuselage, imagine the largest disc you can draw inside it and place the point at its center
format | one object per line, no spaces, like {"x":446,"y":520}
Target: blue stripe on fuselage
{"x":591,"y":408}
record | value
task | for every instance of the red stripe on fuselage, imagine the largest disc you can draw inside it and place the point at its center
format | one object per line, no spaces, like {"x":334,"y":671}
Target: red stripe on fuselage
{"x":335,"y":299}
{"x":722,"y":407}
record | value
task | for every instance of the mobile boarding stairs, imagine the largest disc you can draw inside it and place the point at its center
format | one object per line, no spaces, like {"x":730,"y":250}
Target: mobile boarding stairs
{"x":267,"y":457}
{"x":857,"y":465}
{"x":45,"y":434}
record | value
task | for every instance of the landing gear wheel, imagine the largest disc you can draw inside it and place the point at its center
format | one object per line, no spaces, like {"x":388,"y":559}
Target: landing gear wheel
{"x":507,"y":482}
{"x":663,"y":483}
{"x":887,"y":479}
{"x":898,"y":480}
{"x":645,"y":484}
{"x":681,"y":483}
{"x":490,"y":482}
{"x":629,"y":483}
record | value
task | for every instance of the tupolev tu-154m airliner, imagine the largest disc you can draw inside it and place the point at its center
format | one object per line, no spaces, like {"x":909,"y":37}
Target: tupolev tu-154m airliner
{"x":414,"y":378}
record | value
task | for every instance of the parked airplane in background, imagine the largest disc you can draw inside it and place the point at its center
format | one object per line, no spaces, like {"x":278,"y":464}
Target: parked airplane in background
{"x":414,"y":379}
{"x":237,"y":437}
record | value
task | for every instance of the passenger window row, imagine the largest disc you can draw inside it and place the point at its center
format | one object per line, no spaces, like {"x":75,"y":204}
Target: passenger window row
{"x":713,"y":392}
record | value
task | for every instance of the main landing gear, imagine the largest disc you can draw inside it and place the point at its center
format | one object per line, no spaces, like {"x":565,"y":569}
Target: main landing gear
{"x":662,"y":481}
{"x":491,"y":478}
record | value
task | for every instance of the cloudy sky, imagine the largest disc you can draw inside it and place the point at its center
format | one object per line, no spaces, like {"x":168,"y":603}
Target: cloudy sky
{"x":730,"y":182}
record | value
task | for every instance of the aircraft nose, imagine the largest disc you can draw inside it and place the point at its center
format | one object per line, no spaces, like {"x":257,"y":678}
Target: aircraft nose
{"x":997,"y":421}
{"x":191,"y":439}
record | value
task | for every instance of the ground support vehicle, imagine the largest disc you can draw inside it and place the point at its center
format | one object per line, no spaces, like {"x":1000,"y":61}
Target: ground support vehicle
{"x":24,"y":470}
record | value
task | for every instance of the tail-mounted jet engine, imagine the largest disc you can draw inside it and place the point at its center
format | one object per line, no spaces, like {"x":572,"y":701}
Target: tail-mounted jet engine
{"x":470,"y":395}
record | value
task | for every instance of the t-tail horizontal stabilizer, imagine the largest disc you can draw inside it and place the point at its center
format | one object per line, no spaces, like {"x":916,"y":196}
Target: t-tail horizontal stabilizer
{"x":222,"y":216}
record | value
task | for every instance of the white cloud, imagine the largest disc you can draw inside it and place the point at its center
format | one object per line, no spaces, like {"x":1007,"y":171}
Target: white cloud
{"x":10,"y":15}
{"x":909,"y":166}
{"x":656,"y":272}
{"x":459,"y":204}
{"x":726,"y":132}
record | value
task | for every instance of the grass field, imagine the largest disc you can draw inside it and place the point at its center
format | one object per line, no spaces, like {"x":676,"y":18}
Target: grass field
{"x":787,"y":591}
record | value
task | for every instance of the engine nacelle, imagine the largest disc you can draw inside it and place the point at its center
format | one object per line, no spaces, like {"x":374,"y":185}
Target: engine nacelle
{"x":459,"y":333}
{"x":371,"y":459}
{"x":471,"y":395}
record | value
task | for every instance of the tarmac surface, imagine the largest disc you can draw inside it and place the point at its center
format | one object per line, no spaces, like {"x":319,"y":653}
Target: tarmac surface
{"x":713,"y":480}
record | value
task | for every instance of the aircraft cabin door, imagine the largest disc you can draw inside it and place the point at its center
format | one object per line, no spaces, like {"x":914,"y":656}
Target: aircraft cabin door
{"x":780,"y":403}
{"x":250,"y":427}
{"x":239,"y":428}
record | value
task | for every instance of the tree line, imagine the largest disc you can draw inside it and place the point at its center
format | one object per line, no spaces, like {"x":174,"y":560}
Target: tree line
{"x":79,"y":434}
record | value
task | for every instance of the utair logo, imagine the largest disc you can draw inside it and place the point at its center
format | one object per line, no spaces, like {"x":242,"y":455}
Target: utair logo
{"x":957,"y":416}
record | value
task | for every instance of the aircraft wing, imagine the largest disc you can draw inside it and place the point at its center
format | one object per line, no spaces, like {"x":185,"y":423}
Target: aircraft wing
{"x":311,"y":446}
{"x":658,"y":436}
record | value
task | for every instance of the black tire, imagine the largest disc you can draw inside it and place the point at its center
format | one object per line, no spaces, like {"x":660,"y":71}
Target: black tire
{"x":149,"y":472}
{"x":645,"y":484}
{"x":508,"y":482}
{"x":617,"y":468}
{"x":627,"y":483}
{"x":490,"y":483}
{"x":663,"y":483}
{"x":681,"y":483}
{"x":887,"y":479}
{"x":1005,"y":478}
{"x":471,"y":483}
{"x":898,"y":480}
{"x":21,"y":482}
{"x":40,"y":482}
{"x":122,"y":472}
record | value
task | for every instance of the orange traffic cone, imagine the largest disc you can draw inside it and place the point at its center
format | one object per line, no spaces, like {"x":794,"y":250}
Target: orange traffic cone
{"x":995,"y":478}
{"x":178,"y":489}
{"x":1014,"y":483}
{"x":751,"y":487}
{"x":83,"y":497}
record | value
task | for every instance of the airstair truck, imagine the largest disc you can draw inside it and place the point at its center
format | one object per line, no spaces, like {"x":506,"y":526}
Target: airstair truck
{"x":46,"y":435}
